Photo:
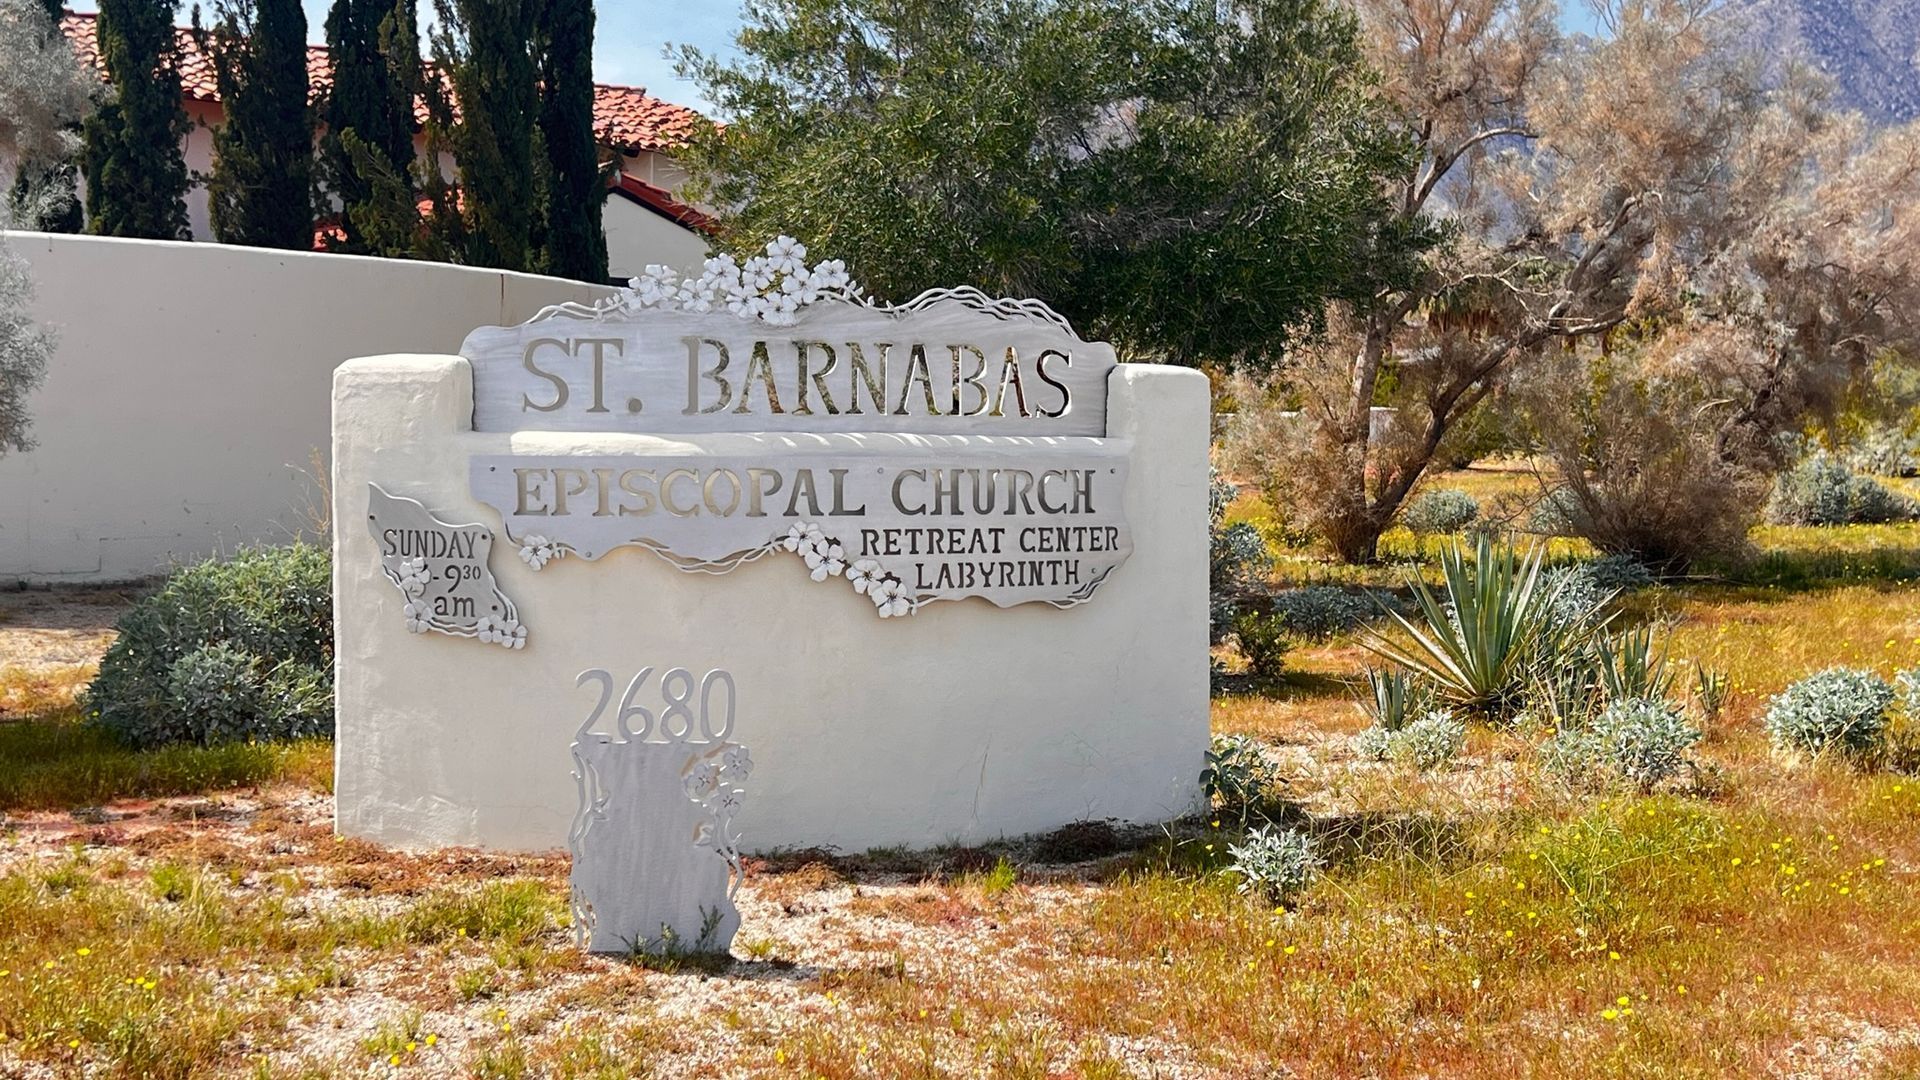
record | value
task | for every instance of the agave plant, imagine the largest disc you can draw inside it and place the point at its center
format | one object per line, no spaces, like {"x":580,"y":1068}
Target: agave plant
{"x":1566,"y":694}
{"x":1490,"y":632}
{"x":1630,"y":667}
{"x":1396,"y":698}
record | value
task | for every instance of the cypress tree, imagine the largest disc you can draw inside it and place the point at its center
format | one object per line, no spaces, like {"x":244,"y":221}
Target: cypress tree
{"x":376,"y":71}
{"x":572,"y":241}
{"x":261,"y":191}
{"x":136,"y":176}
{"x":485,"y":48}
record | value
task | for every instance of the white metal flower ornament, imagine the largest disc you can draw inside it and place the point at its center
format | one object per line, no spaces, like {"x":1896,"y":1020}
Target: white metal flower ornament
{"x":771,"y":287}
{"x":825,"y":557}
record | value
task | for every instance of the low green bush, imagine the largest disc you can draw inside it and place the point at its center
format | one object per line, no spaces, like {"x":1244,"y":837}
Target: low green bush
{"x":1238,"y":777}
{"x":1264,"y":641}
{"x":1319,"y":612}
{"x":225,"y":651}
{"x":1238,"y":559}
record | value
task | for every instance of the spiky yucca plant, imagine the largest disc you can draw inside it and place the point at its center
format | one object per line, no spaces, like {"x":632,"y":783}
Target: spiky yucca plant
{"x":1490,"y":631}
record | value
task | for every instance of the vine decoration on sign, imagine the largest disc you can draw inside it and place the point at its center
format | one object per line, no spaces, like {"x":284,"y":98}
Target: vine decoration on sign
{"x":825,"y":557}
{"x":713,"y":777}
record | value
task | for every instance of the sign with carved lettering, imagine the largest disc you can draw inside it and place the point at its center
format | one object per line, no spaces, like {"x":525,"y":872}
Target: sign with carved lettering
{"x":441,"y":571}
{"x":950,"y":363}
{"x":1011,"y":520}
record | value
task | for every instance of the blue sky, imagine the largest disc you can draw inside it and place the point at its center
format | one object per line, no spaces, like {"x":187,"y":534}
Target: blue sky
{"x":632,"y":36}
{"x":629,"y":41}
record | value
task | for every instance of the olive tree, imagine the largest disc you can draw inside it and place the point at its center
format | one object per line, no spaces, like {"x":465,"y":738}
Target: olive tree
{"x":25,"y":345}
{"x":44,"y":96}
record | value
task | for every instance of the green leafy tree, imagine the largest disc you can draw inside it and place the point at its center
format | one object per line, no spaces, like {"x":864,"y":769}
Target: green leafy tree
{"x":1188,"y":179}
{"x":484,"y":48}
{"x":261,"y":190}
{"x":136,"y":175}
{"x":375,"y":46}
{"x":572,"y":242}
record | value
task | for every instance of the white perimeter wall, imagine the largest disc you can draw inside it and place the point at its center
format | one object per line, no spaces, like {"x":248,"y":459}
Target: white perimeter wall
{"x":638,"y":237}
{"x":192,"y":387}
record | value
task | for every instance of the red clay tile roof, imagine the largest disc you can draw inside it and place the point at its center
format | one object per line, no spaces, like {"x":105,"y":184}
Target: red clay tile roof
{"x":626,"y":118}
{"x":663,"y":202}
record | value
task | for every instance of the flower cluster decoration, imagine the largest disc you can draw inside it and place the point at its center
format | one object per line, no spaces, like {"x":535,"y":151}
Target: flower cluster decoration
{"x":826,"y":558}
{"x":772,"y":287}
{"x":414,"y":575}
{"x":717,"y":788}
{"x":538,"y":551}
{"x":508,"y":632}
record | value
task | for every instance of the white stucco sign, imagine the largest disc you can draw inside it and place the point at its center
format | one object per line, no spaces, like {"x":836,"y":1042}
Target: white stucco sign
{"x":757,"y":471}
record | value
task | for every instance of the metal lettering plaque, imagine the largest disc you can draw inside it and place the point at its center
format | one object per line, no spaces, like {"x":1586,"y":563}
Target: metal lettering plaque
{"x":441,"y":571}
{"x":1011,"y":520}
{"x":953,"y":362}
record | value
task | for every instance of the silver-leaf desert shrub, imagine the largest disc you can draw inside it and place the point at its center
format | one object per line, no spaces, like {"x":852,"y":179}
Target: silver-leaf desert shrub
{"x":1238,"y":559}
{"x":1373,"y":743}
{"x":1577,"y":598}
{"x":1885,"y":450}
{"x":1442,"y":510}
{"x":1646,"y":739}
{"x":1841,"y":709}
{"x":1583,"y":590}
{"x":1428,"y":743}
{"x":224,"y":651}
{"x":1554,"y":514}
{"x":1821,"y":489}
{"x":1639,"y":741}
{"x":1619,"y":573}
{"x":1274,"y":863}
{"x":1319,"y":612}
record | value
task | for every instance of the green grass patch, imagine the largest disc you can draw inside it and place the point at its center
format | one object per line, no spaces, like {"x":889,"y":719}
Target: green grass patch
{"x":60,"y":763}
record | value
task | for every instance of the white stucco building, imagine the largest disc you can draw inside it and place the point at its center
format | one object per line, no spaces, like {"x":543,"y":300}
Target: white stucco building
{"x":645,"y":219}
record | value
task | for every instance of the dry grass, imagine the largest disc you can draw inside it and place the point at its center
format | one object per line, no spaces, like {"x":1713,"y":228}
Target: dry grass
{"x":1474,"y":921}
{"x":59,"y":762}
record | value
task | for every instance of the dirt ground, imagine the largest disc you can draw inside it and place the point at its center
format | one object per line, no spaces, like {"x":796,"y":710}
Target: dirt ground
{"x":51,"y":641}
{"x":45,"y":628}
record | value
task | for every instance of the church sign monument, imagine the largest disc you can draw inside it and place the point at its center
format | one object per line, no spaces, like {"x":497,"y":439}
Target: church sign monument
{"x":954,"y":555}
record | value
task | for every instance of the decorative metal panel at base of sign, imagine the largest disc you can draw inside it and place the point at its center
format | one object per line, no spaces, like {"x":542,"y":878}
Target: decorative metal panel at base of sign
{"x":441,"y":570}
{"x":656,"y":857}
